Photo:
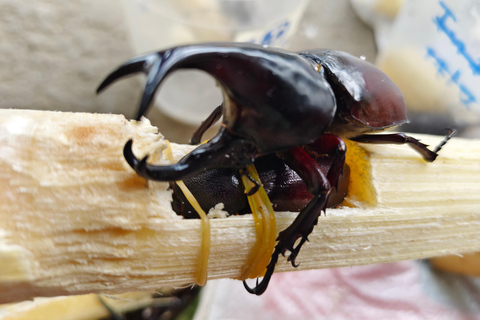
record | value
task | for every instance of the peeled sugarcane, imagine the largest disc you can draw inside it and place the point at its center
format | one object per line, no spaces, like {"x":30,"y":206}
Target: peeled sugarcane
{"x":76,"y":219}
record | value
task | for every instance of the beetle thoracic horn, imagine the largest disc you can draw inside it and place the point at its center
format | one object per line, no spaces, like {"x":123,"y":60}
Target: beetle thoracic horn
{"x":224,"y":150}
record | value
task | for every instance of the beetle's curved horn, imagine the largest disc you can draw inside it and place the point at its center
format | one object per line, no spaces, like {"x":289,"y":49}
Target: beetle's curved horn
{"x":217,"y":59}
{"x":148,"y":64}
{"x":139,"y":64}
{"x":224,"y":150}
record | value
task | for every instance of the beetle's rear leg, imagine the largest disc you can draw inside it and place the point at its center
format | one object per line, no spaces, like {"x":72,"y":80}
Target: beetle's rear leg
{"x":402,"y":138}
{"x":299,"y":160}
{"x":211,"y":120}
{"x":319,"y":186}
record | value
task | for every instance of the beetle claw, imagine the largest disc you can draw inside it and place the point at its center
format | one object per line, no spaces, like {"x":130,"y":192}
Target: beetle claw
{"x":280,"y":248}
{"x":262,"y":286}
{"x":295,"y":251}
{"x":451,"y":133}
{"x":138,"y":165}
{"x":128,"y":154}
{"x":141,"y":167}
{"x":292,"y":261}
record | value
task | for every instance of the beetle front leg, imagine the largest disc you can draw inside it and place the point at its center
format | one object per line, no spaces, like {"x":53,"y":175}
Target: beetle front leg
{"x":222,"y":151}
{"x":402,"y":138}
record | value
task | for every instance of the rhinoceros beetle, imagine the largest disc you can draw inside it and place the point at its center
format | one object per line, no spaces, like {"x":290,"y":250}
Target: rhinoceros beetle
{"x":275,"y":103}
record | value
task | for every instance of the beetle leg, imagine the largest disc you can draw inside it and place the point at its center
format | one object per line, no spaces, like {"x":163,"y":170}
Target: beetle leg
{"x":402,"y":138}
{"x":332,"y":145}
{"x":211,"y":120}
{"x":222,"y":151}
{"x":319,"y":186}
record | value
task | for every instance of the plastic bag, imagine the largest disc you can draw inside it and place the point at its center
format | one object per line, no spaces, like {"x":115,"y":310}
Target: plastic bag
{"x":433,"y":55}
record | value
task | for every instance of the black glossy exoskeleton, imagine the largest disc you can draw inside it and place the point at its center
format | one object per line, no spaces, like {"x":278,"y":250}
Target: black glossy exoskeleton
{"x":275,"y":103}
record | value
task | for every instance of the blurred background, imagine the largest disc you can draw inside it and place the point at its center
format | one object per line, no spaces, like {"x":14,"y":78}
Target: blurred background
{"x":54,"y":54}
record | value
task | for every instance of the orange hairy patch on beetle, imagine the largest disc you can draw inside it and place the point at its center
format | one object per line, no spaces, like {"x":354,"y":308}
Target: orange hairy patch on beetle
{"x":360,"y":188}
